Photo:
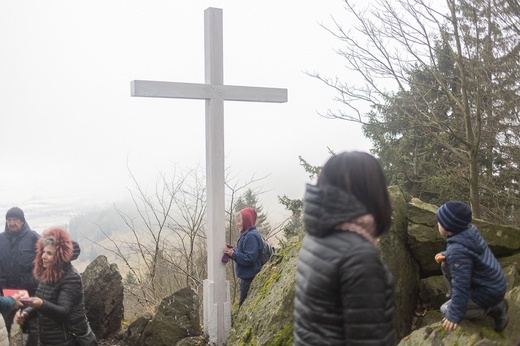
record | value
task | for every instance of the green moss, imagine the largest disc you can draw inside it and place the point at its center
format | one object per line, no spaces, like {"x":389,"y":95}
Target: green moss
{"x":284,"y":336}
{"x":246,"y":339}
{"x":488,"y":333}
{"x":472,"y":341}
{"x":266,"y":285}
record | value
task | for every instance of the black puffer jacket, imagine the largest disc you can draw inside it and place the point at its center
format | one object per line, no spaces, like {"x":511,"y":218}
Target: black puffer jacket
{"x":63,"y":310}
{"x":344,"y":293}
{"x":61,"y":291}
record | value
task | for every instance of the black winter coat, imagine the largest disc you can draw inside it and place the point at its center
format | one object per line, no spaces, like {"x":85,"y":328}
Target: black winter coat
{"x":344,"y":293}
{"x":17,"y":252}
{"x":63,"y":310}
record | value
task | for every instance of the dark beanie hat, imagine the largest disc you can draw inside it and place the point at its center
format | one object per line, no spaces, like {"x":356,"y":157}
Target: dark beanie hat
{"x":454,"y":216}
{"x":15,"y":212}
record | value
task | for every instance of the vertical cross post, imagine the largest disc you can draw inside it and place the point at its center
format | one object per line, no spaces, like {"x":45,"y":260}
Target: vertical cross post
{"x":217,"y":311}
{"x":217,"y":306}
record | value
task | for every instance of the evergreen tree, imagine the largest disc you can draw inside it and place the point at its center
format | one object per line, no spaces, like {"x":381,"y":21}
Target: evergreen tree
{"x":250,"y":199}
{"x":448,"y":127}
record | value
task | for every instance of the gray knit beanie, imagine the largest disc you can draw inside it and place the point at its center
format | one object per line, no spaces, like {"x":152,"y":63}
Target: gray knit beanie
{"x":15,"y":212}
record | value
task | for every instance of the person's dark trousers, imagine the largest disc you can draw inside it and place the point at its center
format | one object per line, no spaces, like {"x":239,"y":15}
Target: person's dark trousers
{"x":30,"y":327}
{"x":244,"y":288}
{"x":446,"y":274}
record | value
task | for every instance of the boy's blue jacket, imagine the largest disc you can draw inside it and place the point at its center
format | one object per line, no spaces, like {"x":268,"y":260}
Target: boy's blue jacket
{"x":475,"y":273}
{"x":247,"y":253}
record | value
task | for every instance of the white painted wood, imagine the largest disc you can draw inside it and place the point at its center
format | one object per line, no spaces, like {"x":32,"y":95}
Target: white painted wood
{"x":217,"y":317}
{"x":175,"y":90}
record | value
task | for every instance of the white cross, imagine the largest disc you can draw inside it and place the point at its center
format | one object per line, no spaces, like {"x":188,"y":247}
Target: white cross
{"x":217,"y":314}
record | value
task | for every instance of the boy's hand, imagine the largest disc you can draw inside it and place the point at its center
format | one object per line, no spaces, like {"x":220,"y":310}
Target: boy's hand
{"x":439,"y":258}
{"x":448,"y":325}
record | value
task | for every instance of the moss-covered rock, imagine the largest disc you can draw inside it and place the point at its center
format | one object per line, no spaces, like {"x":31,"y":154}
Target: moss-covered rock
{"x":478,"y":332}
{"x":266,"y":316}
{"x":432,"y":291}
{"x":393,"y":248}
{"x":176,"y":318}
{"x":512,"y":331}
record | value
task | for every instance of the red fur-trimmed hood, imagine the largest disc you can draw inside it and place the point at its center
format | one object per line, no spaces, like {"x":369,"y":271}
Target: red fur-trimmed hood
{"x":62,"y":256}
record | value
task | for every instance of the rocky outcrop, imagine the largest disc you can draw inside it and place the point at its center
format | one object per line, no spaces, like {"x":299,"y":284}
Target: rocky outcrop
{"x":469,"y":332}
{"x":395,"y":253}
{"x":176,"y":322}
{"x":425,"y":241}
{"x":266,"y":317}
{"x":103,"y":286}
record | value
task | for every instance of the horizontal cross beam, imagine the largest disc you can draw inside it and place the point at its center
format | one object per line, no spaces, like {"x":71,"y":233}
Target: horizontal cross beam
{"x":143,"y":88}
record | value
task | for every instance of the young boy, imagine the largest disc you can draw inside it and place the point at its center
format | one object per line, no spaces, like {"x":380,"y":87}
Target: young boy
{"x":475,"y":280}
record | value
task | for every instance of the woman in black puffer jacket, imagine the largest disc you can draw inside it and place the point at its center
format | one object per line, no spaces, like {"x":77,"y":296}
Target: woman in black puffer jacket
{"x":59,"y":296}
{"x":344,"y":293}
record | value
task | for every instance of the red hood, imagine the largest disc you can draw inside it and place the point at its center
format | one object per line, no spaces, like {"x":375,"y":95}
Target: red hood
{"x":248,"y":218}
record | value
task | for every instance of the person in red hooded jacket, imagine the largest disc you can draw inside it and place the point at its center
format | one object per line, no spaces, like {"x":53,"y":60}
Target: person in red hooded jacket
{"x":248,"y":251}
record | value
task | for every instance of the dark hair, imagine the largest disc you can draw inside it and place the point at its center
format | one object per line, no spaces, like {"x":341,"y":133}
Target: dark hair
{"x":361,"y":175}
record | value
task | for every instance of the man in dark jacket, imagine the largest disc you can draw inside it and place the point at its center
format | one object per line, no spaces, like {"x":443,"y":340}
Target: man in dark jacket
{"x":17,"y":253}
{"x":247,"y":253}
{"x":474,"y":278}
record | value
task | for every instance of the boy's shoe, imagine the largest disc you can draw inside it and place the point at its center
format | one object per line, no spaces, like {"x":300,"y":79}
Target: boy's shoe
{"x":499,"y":314}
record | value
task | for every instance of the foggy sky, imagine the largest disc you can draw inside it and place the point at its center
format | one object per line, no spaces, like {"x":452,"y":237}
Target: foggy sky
{"x":70,"y":128}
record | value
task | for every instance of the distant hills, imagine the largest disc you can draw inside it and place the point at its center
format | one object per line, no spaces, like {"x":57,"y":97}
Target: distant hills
{"x":42,"y":214}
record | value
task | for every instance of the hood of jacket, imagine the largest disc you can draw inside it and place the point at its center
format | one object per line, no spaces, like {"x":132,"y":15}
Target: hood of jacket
{"x":470,"y":239}
{"x":25,"y":228}
{"x":62,"y":256}
{"x":326,"y":207}
{"x":248,"y":218}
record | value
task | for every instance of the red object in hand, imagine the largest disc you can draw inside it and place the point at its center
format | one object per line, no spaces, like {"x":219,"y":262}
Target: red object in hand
{"x":12,"y":292}
{"x":439,"y":258}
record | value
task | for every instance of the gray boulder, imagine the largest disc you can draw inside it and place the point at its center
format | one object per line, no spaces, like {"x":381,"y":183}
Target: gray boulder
{"x":393,"y":248}
{"x":425,"y":242}
{"x":469,"y":332}
{"x":176,"y":318}
{"x":104,"y":292}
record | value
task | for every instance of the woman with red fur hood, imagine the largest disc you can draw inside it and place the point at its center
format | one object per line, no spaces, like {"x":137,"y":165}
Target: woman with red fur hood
{"x":59,"y":296}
